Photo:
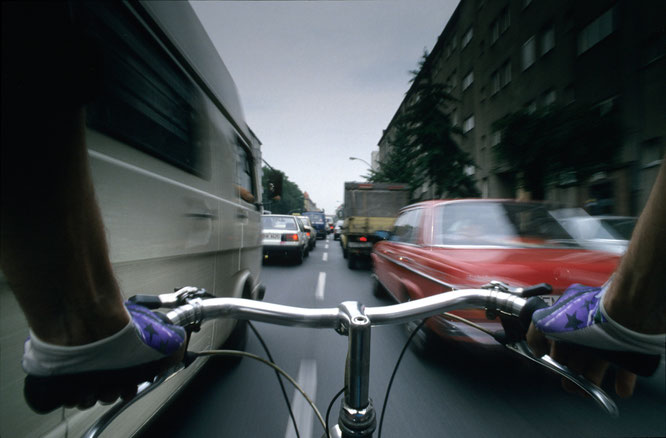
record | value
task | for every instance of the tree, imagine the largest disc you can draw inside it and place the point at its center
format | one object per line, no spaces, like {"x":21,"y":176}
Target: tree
{"x":423,"y":151}
{"x":542,"y":147}
{"x":291,"y":199}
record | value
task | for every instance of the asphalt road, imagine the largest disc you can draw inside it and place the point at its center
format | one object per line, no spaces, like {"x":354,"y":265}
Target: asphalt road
{"x":465,"y":391}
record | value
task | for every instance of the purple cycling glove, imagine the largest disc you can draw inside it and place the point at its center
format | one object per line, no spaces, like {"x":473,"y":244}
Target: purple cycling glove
{"x":147,"y":338}
{"x":579,"y":317}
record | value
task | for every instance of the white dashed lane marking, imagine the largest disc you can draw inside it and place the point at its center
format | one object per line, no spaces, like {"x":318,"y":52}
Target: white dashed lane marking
{"x":321,"y":284}
{"x":303,"y":414}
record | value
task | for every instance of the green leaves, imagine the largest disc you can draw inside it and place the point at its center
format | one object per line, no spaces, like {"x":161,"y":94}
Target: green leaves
{"x":423,"y":152}
{"x":292,"y":198}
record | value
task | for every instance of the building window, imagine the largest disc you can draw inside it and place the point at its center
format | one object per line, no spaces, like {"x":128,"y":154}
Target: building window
{"x":500,"y":78}
{"x":547,"y":40}
{"x":500,"y":25}
{"x":549,"y":98}
{"x":494,"y":32}
{"x":529,"y":53}
{"x":467,"y":37}
{"x":596,"y":31}
{"x":494,"y":83}
{"x":495,"y":138}
{"x":454,"y":117}
{"x":468,"y":80}
{"x":453,"y":81}
{"x":504,"y":20}
{"x":468,"y":124}
{"x":505,"y":74}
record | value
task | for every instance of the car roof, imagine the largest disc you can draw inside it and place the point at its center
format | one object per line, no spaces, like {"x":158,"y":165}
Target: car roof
{"x":435,"y":202}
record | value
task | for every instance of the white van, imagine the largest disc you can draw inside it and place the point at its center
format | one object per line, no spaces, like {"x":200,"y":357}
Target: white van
{"x":177,"y":176}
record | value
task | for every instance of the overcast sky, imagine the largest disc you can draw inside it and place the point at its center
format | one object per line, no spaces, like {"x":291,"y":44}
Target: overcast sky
{"x":320,"y":80}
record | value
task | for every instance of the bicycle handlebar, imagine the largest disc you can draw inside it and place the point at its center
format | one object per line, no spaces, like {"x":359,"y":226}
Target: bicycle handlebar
{"x":197,"y":311}
{"x":191,"y":306}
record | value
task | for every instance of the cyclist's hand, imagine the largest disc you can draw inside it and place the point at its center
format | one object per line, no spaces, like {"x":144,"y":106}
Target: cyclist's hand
{"x":104,"y":370}
{"x":578,"y":332}
{"x":581,"y":360}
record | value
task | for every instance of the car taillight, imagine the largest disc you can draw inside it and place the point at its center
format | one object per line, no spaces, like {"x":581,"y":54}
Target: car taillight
{"x":362,"y":239}
{"x":308,"y":233}
{"x":290,"y":237}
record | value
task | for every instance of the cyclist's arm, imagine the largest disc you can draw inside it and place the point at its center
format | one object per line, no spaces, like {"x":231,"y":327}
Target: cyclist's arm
{"x":635,"y":300}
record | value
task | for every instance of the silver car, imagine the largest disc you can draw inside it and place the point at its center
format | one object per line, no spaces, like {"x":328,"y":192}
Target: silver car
{"x":310,"y":231}
{"x":284,"y":236}
{"x":601,"y":233}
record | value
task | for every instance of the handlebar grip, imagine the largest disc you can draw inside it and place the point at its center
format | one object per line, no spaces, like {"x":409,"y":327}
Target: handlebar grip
{"x":150,"y":301}
{"x":537,"y":289}
{"x":532,"y":305}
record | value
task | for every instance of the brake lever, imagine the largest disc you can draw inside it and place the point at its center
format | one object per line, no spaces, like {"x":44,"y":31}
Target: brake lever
{"x":597,"y":394}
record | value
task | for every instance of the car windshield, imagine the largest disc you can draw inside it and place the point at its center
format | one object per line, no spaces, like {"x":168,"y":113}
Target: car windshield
{"x":315,"y":218}
{"x":507,"y":224}
{"x":621,"y":228}
{"x":279,"y":223}
{"x":305,"y":221}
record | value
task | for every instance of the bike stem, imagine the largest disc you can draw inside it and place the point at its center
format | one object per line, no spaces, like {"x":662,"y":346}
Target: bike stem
{"x":357,"y":415}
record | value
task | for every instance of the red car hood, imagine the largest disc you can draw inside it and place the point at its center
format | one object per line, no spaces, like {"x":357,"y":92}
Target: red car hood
{"x":523,"y":266}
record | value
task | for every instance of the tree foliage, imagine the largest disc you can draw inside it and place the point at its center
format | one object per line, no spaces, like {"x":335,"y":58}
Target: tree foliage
{"x":554,"y":144}
{"x":423,"y":151}
{"x":291,"y":199}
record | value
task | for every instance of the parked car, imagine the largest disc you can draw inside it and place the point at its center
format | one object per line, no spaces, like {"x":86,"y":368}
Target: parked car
{"x":284,"y":236}
{"x":337,"y":229}
{"x":174,"y":166}
{"x":601,"y":233}
{"x":309,"y":231}
{"x":439,"y":246}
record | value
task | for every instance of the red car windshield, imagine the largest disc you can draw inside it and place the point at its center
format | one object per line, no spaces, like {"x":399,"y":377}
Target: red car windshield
{"x":504,"y":224}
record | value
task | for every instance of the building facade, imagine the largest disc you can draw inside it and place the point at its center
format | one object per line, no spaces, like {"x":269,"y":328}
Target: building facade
{"x":502,"y":56}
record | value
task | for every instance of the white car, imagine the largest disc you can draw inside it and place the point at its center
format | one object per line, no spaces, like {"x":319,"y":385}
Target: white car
{"x":600,"y":233}
{"x":284,"y":236}
{"x":310,"y":231}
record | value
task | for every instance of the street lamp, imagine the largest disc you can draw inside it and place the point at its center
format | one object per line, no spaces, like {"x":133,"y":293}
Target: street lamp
{"x":361,"y":159}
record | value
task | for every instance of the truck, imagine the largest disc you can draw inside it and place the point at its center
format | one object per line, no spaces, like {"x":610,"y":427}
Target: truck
{"x":368,"y":208}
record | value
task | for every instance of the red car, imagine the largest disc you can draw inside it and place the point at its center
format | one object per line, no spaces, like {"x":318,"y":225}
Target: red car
{"x":438,"y":246}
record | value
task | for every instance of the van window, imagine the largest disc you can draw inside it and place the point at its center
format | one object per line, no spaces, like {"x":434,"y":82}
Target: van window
{"x":245,"y":173}
{"x":145,"y":99}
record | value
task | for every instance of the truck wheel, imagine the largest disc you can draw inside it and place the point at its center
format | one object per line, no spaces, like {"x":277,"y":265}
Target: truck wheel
{"x":351,"y":261}
{"x":344,"y":252}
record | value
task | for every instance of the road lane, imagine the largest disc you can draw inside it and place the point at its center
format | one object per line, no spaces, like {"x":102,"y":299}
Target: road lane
{"x":464,"y":391}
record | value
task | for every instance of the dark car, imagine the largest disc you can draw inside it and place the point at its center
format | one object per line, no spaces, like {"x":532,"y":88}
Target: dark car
{"x":440,"y":246}
{"x":318,"y":221}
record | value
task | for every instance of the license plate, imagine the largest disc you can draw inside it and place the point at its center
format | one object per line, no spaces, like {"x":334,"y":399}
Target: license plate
{"x":272,"y":236}
{"x":360,"y":244}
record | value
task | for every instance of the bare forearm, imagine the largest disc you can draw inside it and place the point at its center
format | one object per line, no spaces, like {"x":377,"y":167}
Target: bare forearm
{"x":54,"y":252}
{"x":639,"y":286}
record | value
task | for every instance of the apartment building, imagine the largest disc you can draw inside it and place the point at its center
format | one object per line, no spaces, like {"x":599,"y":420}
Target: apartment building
{"x":501,"y":56}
